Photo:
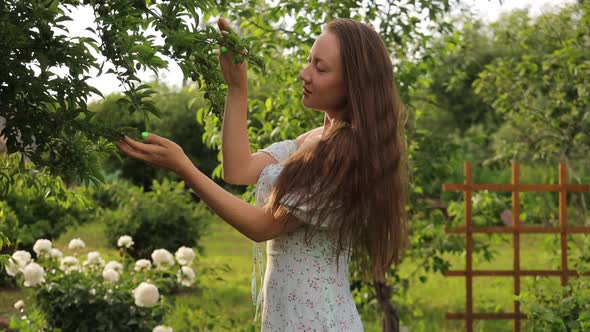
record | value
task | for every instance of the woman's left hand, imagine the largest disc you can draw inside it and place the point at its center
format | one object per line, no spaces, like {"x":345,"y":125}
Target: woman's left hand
{"x":159,"y":152}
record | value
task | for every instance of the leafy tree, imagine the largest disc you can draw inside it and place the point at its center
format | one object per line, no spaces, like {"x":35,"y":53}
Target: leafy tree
{"x":47,"y":117}
{"x":541,"y":85}
{"x":177,"y":121}
{"x":448,"y":72}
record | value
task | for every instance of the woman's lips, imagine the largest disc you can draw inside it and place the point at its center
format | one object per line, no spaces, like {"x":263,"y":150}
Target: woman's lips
{"x":306,"y":91}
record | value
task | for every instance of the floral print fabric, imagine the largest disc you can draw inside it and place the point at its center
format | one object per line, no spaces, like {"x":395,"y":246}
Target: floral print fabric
{"x":304,"y":288}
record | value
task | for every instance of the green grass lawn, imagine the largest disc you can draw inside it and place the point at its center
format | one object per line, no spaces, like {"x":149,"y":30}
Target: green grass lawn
{"x":229,"y":289}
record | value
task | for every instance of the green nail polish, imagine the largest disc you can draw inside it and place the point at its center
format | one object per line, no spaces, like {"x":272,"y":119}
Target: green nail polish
{"x":144,"y":134}
{"x":223,"y":50}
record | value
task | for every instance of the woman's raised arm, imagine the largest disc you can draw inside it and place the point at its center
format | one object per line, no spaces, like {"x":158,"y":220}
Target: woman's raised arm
{"x":235,"y":145}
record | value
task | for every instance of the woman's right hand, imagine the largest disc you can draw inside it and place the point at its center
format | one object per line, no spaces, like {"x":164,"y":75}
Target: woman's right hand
{"x":234,"y":74}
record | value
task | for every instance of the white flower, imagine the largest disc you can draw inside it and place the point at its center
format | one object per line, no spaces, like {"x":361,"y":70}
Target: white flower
{"x":146,"y":295}
{"x":34,"y":274}
{"x":69,"y":264}
{"x":93,"y":257}
{"x":76,"y":244}
{"x":42,"y":247}
{"x":114,"y":265}
{"x":12,"y":268}
{"x":18,"y":305}
{"x":21,"y":258}
{"x":125,"y":241}
{"x":93,"y":262}
{"x":110,"y":275}
{"x":162,"y":259}
{"x":186,"y":276}
{"x":162,"y":328}
{"x":143,"y":265}
{"x":56,"y":253}
{"x":184,"y":255}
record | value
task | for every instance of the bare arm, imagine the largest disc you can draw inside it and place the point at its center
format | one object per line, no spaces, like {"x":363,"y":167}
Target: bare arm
{"x":239,"y":165}
{"x":249,"y":169}
{"x":235,"y":146}
{"x":254,"y":222}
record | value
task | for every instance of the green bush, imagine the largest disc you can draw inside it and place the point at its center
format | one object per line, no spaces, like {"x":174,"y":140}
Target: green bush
{"x":487,"y":209}
{"x":551,"y":307}
{"x":35,"y":205}
{"x":539,"y":208}
{"x":166,"y":217}
{"x":111,"y":195}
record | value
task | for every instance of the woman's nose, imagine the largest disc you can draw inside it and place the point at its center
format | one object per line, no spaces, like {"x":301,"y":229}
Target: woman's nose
{"x":303,"y":76}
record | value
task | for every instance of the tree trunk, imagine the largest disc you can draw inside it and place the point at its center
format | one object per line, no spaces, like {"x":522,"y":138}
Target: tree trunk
{"x":390,"y":316}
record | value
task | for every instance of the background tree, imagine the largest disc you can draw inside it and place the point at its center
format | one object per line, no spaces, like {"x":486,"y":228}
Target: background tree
{"x":540,"y":85}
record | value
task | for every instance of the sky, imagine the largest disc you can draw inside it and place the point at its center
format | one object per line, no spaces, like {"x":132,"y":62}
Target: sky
{"x":489,"y":10}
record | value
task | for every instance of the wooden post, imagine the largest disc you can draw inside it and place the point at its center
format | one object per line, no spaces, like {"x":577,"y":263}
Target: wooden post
{"x":516,"y":241}
{"x":469,"y":247}
{"x":563,"y":220}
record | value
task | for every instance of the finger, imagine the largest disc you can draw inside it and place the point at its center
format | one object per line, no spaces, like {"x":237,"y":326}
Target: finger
{"x":223,"y":24}
{"x":141,"y":147}
{"x":155,"y":139}
{"x":223,"y":51}
{"x":224,"y":56}
{"x":128,"y":150}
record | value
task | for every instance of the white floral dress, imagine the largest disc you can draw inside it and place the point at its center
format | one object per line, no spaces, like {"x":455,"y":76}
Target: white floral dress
{"x":302,"y":290}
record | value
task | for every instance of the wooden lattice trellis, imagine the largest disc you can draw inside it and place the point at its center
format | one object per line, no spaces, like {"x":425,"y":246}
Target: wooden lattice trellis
{"x":516,"y":229}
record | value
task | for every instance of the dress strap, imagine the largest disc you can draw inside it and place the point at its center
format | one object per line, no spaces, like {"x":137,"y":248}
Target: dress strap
{"x":258,"y":258}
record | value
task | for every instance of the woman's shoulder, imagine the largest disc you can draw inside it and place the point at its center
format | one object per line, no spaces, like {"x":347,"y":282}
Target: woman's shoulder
{"x":310,"y":134}
{"x":309,"y":138}
{"x":281,"y":150}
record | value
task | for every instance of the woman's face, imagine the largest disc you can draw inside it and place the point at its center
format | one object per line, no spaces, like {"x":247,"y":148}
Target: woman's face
{"x":323,"y":77}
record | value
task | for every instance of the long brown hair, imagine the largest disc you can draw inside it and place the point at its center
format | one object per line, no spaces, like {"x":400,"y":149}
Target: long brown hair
{"x":354,"y":178}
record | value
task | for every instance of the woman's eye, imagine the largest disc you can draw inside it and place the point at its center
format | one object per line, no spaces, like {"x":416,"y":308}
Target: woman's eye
{"x":318,"y":69}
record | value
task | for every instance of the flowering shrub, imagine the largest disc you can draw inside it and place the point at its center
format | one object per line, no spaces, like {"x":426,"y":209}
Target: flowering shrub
{"x":85,"y":292}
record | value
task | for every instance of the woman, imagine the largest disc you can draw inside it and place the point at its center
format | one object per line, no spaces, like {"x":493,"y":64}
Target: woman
{"x":332,"y":195}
